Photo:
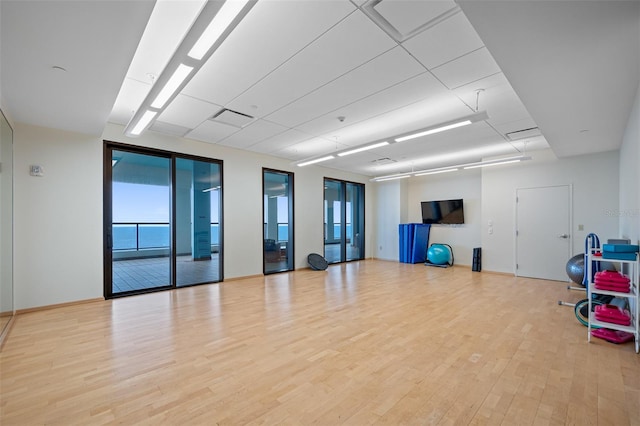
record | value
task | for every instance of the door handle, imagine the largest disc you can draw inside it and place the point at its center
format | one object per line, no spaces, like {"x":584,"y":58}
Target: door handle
{"x":564,"y":236}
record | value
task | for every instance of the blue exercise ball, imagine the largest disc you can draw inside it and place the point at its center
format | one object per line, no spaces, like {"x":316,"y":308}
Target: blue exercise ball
{"x":438,"y":254}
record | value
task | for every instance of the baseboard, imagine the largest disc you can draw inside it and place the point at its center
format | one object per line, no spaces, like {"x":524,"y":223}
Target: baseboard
{"x":58,"y":305}
{"x":244,"y":277}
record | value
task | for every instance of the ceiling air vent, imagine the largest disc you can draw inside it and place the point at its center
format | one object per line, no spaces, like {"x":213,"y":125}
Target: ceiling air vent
{"x":232,"y":118}
{"x":383,"y":161}
{"x":523,"y":134}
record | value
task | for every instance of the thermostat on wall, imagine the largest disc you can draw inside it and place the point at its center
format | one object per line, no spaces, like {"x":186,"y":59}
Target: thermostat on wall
{"x":36,"y":170}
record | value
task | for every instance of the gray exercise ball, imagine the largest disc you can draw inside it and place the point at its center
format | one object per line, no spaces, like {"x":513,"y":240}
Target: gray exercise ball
{"x":575,"y":268}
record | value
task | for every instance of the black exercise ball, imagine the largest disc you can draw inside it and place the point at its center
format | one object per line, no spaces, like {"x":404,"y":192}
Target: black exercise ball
{"x":575,"y":268}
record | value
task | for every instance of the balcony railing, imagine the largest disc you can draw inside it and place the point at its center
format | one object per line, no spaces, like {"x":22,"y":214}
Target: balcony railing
{"x":149,"y":235}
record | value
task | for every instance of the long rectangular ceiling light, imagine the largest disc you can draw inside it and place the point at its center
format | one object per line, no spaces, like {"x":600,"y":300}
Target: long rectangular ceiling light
{"x":317,"y":160}
{"x":180,"y":74}
{"x":363,"y":148}
{"x":382,"y":179}
{"x":497,"y":163}
{"x":432,"y":131}
{"x":442,"y":127}
{"x":143,"y":122}
{"x":225,"y":16}
{"x":209,"y":30}
{"x":436,"y":172}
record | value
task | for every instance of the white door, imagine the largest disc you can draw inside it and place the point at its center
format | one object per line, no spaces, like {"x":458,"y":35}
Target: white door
{"x":543,"y":239}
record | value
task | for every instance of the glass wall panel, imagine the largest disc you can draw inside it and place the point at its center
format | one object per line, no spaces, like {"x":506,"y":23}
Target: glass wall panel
{"x":278,"y":221}
{"x":198,"y":196}
{"x":140,"y":222}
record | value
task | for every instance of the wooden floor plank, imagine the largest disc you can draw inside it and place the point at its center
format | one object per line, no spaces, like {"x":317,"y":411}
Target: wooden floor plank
{"x":370,"y":342}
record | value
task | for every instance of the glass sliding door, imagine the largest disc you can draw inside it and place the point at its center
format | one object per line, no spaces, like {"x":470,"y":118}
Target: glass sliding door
{"x":343,"y":221}
{"x":138,"y":231}
{"x":278,"y":221}
{"x":198,"y":201}
{"x":333,"y":220}
{"x":354,"y":225}
{"x":162,"y":220}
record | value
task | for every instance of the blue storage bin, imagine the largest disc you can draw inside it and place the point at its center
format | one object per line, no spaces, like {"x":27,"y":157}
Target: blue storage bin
{"x":620,"y":248}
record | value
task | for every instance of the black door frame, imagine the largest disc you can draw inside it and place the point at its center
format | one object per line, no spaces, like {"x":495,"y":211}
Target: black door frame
{"x":108,"y":147}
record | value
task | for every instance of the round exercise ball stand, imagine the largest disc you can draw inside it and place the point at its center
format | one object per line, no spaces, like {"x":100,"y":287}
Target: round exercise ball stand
{"x":317,"y":262}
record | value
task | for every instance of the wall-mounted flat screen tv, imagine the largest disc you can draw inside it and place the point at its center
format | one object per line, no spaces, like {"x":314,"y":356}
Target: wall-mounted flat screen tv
{"x":443,"y":211}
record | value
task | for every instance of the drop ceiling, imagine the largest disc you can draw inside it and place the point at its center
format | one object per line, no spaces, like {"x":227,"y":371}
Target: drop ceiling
{"x":306,"y":78}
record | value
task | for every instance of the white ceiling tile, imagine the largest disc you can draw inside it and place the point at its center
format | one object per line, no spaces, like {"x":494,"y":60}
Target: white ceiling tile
{"x":168,"y":128}
{"x":380,"y":73}
{"x":188,"y":112}
{"x":255,"y":48}
{"x":212,"y":132}
{"x":444,"y":42}
{"x":253,"y":133}
{"x":352,"y":42}
{"x":311,"y":148}
{"x":497,"y":98}
{"x":416,"y":89}
{"x":407,"y":15}
{"x":169,"y":22}
{"x":280,"y":141}
{"x":131,"y":95}
{"x":466,"y":69}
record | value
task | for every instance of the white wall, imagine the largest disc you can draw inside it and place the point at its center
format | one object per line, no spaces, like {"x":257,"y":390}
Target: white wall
{"x":595,"y":195}
{"x":463,"y":184}
{"x":629,"y":211}
{"x":58,"y":217}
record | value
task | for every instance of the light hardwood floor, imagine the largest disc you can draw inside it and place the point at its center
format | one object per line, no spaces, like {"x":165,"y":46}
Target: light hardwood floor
{"x":361,"y":343}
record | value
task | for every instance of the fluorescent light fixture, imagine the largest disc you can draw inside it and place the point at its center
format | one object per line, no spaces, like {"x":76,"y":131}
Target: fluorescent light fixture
{"x":496,"y":162}
{"x":435,"y":172}
{"x":363,"y":148}
{"x":435,"y":130}
{"x":454,"y":168}
{"x":227,"y":13}
{"x":213,"y":24}
{"x":143,"y":122}
{"x":317,"y":160}
{"x":180,"y":74}
{"x":382,"y":179}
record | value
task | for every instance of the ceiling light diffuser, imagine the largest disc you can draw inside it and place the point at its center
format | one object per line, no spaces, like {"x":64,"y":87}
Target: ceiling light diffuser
{"x":382,"y":179}
{"x":180,"y":74}
{"x":435,"y":130}
{"x":363,"y":148}
{"x":493,"y":164}
{"x":317,"y":160}
{"x":143,"y":122}
{"x":214,"y":23}
{"x":435,"y":172}
{"x":228,"y":12}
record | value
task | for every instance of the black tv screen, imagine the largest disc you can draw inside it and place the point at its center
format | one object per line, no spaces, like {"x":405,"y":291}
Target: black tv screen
{"x":443,"y":211}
